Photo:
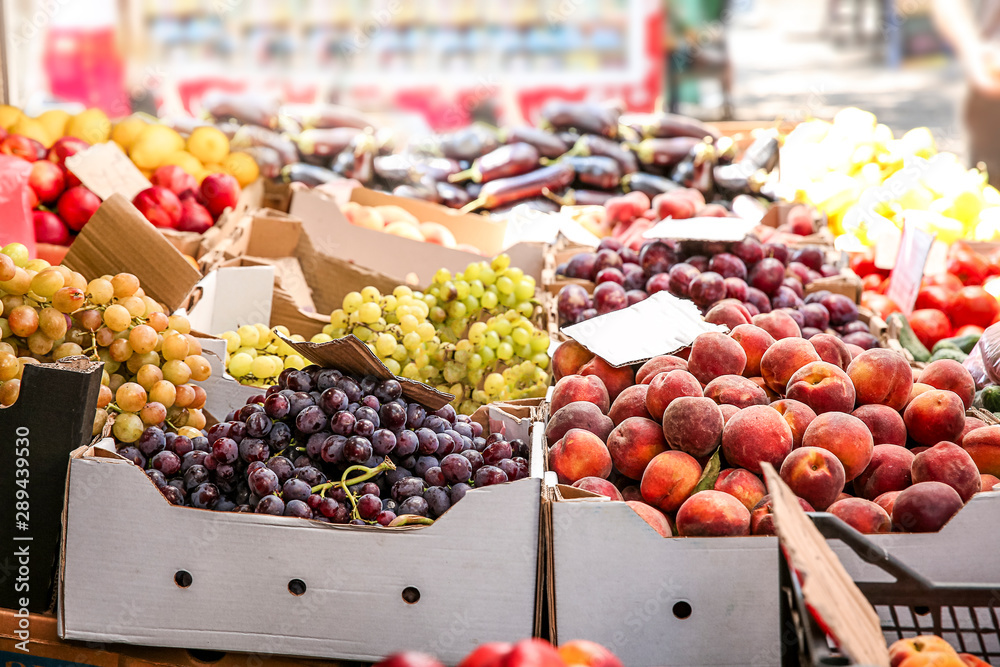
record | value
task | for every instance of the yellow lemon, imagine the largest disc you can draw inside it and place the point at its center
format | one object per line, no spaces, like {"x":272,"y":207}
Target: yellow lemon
{"x":242,"y":167}
{"x":185,"y":161}
{"x":31,"y":128}
{"x":55,"y":121}
{"x":208,"y":144}
{"x":153,"y":144}
{"x":127,"y":131}
{"x":214,"y":168}
{"x":91,"y":125}
{"x":9,"y":115}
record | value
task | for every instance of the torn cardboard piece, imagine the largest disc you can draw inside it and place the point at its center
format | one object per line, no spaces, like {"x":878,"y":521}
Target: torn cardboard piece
{"x":106,"y":170}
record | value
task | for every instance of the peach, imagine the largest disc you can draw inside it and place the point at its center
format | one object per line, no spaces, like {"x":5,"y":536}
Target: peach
{"x":885,"y":424}
{"x":634,"y":443}
{"x":735,"y":390}
{"x":881,"y":376}
{"x":579,"y":454}
{"x":925,"y":507}
{"x":762,"y":520}
{"x":714,"y":354}
{"x":630,"y":403}
{"x":888,"y":470}
{"x":579,"y":414}
{"x":902,"y":649}
{"x":951,"y":375}
{"x":969,"y":660}
{"x":778,"y":324}
{"x":782,"y":359}
{"x":693,"y":425}
{"x":822,"y":386}
{"x":918,"y":388}
{"x":568,"y":358}
{"x":713,"y":514}
{"x":814,"y":474}
{"x":742,"y":485}
{"x":855,"y":350}
{"x":983,"y":445}
{"x":600,"y":486}
{"x":934,"y":416}
{"x":887,"y":500}
{"x":846,"y":436}
{"x":988,"y":481}
{"x":754,"y":435}
{"x":971,"y":424}
{"x":771,"y":394}
{"x":669,"y":479}
{"x":862,"y":515}
{"x":582,"y":652}
{"x":657,"y":365}
{"x":947,"y":462}
{"x":731,"y":313}
{"x":843,"y":495}
{"x":668,"y":386}
{"x":572,"y":388}
{"x":797,"y":415}
{"x":616,"y":380}
{"x":728,"y":411}
{"x":754,"y":342}
{"x":831,"y":349}
{"x":652,"y":516}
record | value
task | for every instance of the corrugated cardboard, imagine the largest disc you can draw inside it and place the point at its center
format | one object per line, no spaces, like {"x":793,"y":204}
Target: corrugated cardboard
{"x":187,"y":243}
{"x":847,"y":283}
{"x":475,"y":585}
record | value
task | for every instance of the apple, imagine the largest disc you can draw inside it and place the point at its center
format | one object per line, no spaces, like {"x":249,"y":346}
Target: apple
{"x":65,"y":147}
{"x":175,"y":179}
{"x":194,"y":217}
{"x":160,"y":206}
{"x":50,"y":229}
{"x":220,"y":191}
{"x":22,"y":147}
{"x":76,"y":206}
{"x":47,"y":180}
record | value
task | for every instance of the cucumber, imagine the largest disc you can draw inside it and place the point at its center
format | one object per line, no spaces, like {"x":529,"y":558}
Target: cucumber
{"x":908,"y":339}
{"x":963,"y":343}
{"x":991,"y":398}
{"x":948,"y":353}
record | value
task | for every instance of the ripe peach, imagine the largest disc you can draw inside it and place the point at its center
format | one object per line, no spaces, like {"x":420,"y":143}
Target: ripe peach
{"x":947,"y":462}
{"x":846,"y":436}
{"x":568,"y":358}
{"x":728,"y":411}
{"x":754,"y":342}
{"x":580,"y":388}
{"x":887,"y":501}
{"x":902,"y":649}
{"x":822,"y":386}
{"x":669,"y":479}
{"x":831,"y":349}
{"x":989,"y":481}
{"x":614,"y":379}
{"x":918,"y":388}
{"x":881,"y":376}
{"x":578,"y":414}
{"x":732,"y":314}
{"x":693,"y":425}
{"x":600,"y":486}
{"x":797,"y":415}
{"x":951,"y":375}
{"x":585,"y":653}
{"x":668,"y":386}
{"x":634,"y":443}
{"x":579,"y":454}
{"x":652,"y":516}
{"x":713,"y":514}
{"x":925,"y":507}
{"x":971,"y":424}
{"x":762,"y":520}
{"x":771,"y":394}
{"x":778,"y":324}
{"x":862,"y":515}
{"x":969,"y":660}
{"x":754,"y":435}
{"x":657,"y":365}
{"x":884,"y":423}
{"x":814,"y":474}
{"x":983,"y":446}
{"x":630,"y":403}
{"x":888,"y":470}
{"x":782,"y":359}
{"x":735,"y":390}
{"x":934,"y":416}
{"x":714,"y":354}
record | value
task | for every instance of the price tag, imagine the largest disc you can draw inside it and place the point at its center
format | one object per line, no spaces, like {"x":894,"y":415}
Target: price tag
{"x":105,"y":170}
{"x":914,"y":247}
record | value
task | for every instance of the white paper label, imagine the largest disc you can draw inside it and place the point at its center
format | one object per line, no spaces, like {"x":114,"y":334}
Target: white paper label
{"x":105,"y":170}
{"x":914,"y":246}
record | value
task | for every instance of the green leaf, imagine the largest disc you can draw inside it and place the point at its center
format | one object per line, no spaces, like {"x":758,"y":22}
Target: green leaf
{"x":709,"y":475}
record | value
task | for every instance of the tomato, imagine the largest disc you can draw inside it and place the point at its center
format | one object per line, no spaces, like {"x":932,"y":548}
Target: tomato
{"x":884,"y":286}
{"x":879,"y":304}
{"x":930,"y":325}
{"x":972,"y":305}
{"x":945,"y":280}
{"x":933,"y":296}
{"x":968,"y":329}
{"x":863,"y":264}
{"x":872,"y":281}
{"x":970,"y":267}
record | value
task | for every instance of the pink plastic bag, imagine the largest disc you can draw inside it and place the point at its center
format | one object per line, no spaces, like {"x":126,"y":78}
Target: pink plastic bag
{"x":15,"y":214}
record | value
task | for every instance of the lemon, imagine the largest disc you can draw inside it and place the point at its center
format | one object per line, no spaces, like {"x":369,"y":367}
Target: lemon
{"x":185,"y":161}
{"x":126,"y":131}
{"x":242,"y":167}
{"x":208,"y":144}
{"x":91,"y":125}
{"x":9,"y":115}
{"x":31,"y":128}
{"x":55,"y":121}
{"x":153,"y":144}
{"x":214,"y":168}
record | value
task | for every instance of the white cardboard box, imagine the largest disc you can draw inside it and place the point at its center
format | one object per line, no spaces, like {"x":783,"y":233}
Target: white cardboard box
{"x":476,"y":570}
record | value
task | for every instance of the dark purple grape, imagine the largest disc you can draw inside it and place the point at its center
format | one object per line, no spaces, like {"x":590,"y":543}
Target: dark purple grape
{"x":338,"y":494}
{"x":295,"y":489}
{"x":327,"y":378}
{"x":151,"y":441}
{"x":523,"y":470}
{"x":327,"y":506}
{"x":475,"y":459}
{"x":197,"y":457}
{"x":509,"y":468}
{"x":299,"y":401}
{"x":310,"y":420}
{"x":134,"y":455}
{"x":256,"y":465}
{"x":369,"y":506}
{"x":297,"y":508}
{"x":271,"y":505}
{"x":479,"y":444}
{"x":427,"y":441}
{"x":401,"y":472}
{"x":253,"y":449}
{"x":364,"y":412}
{"x":225,"y":450}
{"x":173,"y":494}
{"x":497,"y":452}
{"x":406,"y":443}
{"x":247,"y":410}
{"x":489,"y":475}
{"x":314,"y":444}
{"x":224,"y":505}
{"x":169,"y":438}
{"x":342,"y":423}
{"x":302,"y":461}
{"x":392,"y":416}
{"x":350,"y":389}
{"x":237,"y":431}
{"x":389,"y":390}
{"x":167,"y":462}
{"x":310,"y":475}
{"x":385,"y":517}
{"x":436,"y":424}
{"x":226,"y":474}
{"x":368,"y":384}
{"x":415,"y":414}
{"x":446,"y":445}
{"x":182,"y":445}
{"x":258,"y":425}
{"x":464,"y":429}
{"x":205,"y":496}
{"x":178,"y":482}
{"x":423,"y":463}
{"x":200,"y":444}
{"x":279,"y":437}
{"x":407,"y":487}
{"x":383,"y":442}
{"x":520,"y":448}
{"x":434,"y":476}
{"x":282,"y":467}
{"x":157,"y":477}
{"x":438,"y":500}
{"x":447,"y":413}
{"x":458,"y":491}
{"x":332,"y":450}
{"x":299,"y":381}
{"x":211,"y":462}
{"x":458,"y":467}
{"x":364,"y":428}
{"x":262,"y":481}
{"x":370,"y":402}
{"x":357,"y":449}
{"x":414,"y":505}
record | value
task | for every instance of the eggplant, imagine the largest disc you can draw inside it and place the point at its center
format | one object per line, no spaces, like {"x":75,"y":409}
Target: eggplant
{"x":308,"y":174}
{"x":254,"y":135}
{"x":325,"y":142}
{"x":650,"y":184}
{"x":507,"y":160}
{"x":581,"y":197}
{"x":469,"y":142}
{"x":696,"y":170}
{"x":591,"y":144}
{"x":452,"y":196}
{"x":664,"y":152}
{"x":327,"y":116}
{"x":547,"y":144}
{"x":669,"y":126}
{"x":246,"y":108}
{"x":532,"y":184}
{"x":594,"y":171}
{"x":584,"y":117}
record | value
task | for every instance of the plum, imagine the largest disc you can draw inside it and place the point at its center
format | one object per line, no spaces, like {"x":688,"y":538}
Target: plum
{"x":856,"y":326}
{"x":842,"y":309}
{"x":795,"y":285}
{"x":817,"y":296}
{"x":571,"y":303}
{"x":862,"y":339}
{"x":635,"y":277}
{"x":809,"y":332}
{"x":635,"y":296}
{"x":658,"y":283}
{"x":736,"y":289}
{"x":680,"y":278}
{"x":795,"y":314}
{"x":728,"y":266}
{"x":707,"y":288}
{"x":815,"y":315}
{"x":582,"y":266}
{"x":778,"y":251}
{"x":785,"y":297}
{"x":657,"y":257}
{"x":607,"y":259}
{"x":799,"y":270}
{"x":752,"y":309}
{"x":610,"y":243}
{"x":758,"y":299}
{"x":811,"y":256}
{"x":749,"y":250}
{"x":767,"y":275}
{"x":699,"y":262}
{"x":610,"y":275}
{"x":829,"y":271}
{"x":609,"y":297}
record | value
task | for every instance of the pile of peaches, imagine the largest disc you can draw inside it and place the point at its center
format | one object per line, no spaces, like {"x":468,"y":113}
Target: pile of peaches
{"x":853,"y":432}
{"x":398,"y":221}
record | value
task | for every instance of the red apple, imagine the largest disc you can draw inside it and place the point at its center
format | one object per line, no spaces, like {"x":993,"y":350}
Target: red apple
{"x":160,"y":206}
{"x":175,"y":179}
{"x":50,"y":229}
{"x":47,"y":180}
{"x":194,"y":217}
{"x":65,"y":147}
{"x":220,"y":191}
{"x":22,"y":147}
{"x":76,"y":206}
{"x":71,"y":180}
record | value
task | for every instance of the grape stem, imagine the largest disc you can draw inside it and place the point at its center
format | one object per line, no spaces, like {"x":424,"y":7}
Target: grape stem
{"x":114,"y":408}
{"x":345,"y":483}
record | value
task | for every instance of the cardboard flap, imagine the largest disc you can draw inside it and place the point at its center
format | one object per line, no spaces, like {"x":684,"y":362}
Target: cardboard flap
{"x":351,"y":355}
{"x":106,"y":170}
{"x":119,"y":239}
{"x":701,"y":229}
{"x":230,"y":297}
{"x":658,"y":325}
{"x":288,"y":276}
{"x":829,"y":591}
{"x":571,"y":493}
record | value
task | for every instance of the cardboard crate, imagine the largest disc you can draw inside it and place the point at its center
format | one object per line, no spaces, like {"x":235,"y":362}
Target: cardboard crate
{"x":471,"y":577}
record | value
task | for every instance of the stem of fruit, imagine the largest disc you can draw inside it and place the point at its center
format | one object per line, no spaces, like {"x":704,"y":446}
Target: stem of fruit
{"x":344,"y":483}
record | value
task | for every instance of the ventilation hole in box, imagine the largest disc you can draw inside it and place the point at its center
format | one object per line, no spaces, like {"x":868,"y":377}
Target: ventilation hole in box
{"x":682,"y":610}
{"x":296,"y":587}
{"x":206,"y":657}
{"x":921,"y":610}
{"x":182,"y":578}
{"x":411,"y":595}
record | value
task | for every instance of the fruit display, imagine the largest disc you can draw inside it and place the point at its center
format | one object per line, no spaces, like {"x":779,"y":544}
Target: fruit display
{"x":470,"y":334}
{"x":853,"y":432}
{"x":525,"y":653}
{"x":397,"y":220}
{"x":177,"y":201}
{"x":324,"y":445}
{"x":929,"y":651}
{"x":255,"y":356}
